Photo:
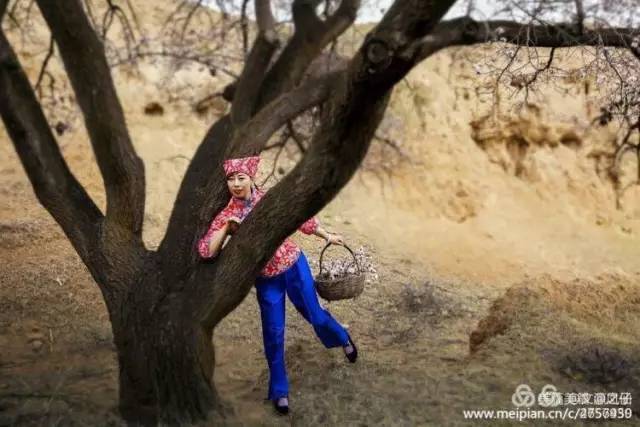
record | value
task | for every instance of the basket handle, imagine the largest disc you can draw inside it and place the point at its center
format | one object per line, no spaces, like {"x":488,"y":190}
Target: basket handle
{"x":347,"y":248}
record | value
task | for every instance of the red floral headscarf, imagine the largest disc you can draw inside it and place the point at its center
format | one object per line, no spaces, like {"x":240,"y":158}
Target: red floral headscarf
{"x":247,"y":165}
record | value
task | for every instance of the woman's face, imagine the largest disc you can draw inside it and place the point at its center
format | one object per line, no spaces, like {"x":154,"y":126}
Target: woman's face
{"x":239,"y":185}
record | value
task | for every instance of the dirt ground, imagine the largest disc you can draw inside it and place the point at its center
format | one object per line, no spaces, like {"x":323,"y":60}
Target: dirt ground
{"x":498,"y":264}
{"x":413,"y":328}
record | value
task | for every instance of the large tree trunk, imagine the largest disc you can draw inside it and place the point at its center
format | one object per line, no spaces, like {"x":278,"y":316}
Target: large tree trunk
{"x":166,"y":358}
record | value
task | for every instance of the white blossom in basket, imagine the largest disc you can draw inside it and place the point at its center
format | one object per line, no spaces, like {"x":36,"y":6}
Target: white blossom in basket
{"x":339,"y":267}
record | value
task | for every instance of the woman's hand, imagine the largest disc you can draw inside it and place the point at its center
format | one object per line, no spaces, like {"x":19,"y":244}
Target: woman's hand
{"x":335,"y":239}
{"x":232,"y":224}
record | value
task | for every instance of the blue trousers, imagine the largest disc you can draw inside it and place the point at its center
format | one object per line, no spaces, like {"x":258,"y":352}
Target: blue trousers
{"x":297,"y":282}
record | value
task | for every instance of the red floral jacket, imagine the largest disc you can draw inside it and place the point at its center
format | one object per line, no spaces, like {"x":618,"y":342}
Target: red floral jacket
{"x":285,"y":256}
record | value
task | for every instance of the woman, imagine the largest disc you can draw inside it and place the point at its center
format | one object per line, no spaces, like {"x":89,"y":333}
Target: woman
{"x":287,"y":272}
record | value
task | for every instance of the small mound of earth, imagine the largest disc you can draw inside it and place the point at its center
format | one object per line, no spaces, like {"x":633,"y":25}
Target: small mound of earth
{"x":564,"y":313}
{"x":503,"y":314}
{"x":582,"y":334}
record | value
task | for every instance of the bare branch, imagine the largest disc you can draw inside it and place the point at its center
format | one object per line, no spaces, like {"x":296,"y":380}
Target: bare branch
{"x":182,"y":56}
{"x":311,"y":36}
{"x":251,"y":138}
{"x":280,"y":145}
{"x":296,"y":137}
{"x":244,"y":25}
{"x":203,"y":104}
{"x":175,"y":12}
{"x":532,"y":79}
{"x":85,"y":62}
{"x":341,"y":19}
{"x":560,"y":35}
{"x":580,"y":16}
{"x":466,"y":31}
{"x":116,"y":11}
{"x":45,"y":63}
{"x":192,"y":12}
{"x":391,"y":143}
{"x":254,"y":71}
{"x":264,"y":16}
{"x":623,"y":147}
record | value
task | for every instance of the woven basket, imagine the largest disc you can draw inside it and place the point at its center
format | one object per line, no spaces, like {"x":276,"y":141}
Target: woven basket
{"x":343,"y":287}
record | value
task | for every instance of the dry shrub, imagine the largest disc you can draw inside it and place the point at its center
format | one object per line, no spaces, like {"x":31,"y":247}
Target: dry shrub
{"x":422,"y":307}
{"x":595,"y":364}
{"x":421,"y":300}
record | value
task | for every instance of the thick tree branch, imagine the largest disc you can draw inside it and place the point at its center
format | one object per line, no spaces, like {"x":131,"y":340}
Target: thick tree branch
{"x":248,"y":86}
{"x":196,"y":202}
{"x":54,"y":185}
{"x":86,"y":65}
{"x":264,"y":16}
{"x":310,"y":37}
{"x":350,"y":118}
{"x":558,"y":35}
{"x":305,"y":16}
{"x":251,"y":138}
{"x":466,"y":31}
{"x":580,"y":16}
{"x":341,"y":19}
{"x":3,"y":8}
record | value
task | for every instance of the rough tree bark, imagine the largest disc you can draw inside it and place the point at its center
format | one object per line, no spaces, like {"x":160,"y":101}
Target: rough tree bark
{"x":164,"y":304}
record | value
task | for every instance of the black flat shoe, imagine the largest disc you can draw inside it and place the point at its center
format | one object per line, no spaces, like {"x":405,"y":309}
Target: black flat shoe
{"x":281,"y":409}
{"x":354,"y":354}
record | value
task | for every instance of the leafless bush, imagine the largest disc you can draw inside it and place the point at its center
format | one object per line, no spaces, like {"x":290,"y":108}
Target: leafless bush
{"x":595,"y":364}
